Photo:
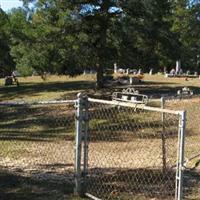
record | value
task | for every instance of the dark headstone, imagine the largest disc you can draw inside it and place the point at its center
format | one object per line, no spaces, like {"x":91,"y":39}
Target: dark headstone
{"x":8,"y":80}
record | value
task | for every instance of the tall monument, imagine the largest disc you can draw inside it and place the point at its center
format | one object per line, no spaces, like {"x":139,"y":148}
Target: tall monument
{"x":115,"y":68}
{"x":178,"y":66}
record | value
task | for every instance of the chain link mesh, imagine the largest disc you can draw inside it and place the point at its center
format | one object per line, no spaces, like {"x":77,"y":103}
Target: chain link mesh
{"x":192,"y":106}
{"x":192,"y":143}
{"x":132,"y":153}
{"x":36,"y":144}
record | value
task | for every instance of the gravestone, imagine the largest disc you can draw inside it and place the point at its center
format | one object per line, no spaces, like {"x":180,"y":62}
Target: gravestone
{"x":127,"y":71}
{"x":151,"y":72}
{"x":8,"y":80}
{"x":185,"y":92}
{"x":115,"y":68}
{"x":130,"y":95}
{"x":178,"y":66}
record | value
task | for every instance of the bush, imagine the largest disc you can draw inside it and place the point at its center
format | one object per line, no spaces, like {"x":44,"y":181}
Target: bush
{"x":25,"y":71}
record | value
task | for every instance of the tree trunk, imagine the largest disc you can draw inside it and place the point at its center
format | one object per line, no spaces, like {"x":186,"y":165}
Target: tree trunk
{"x":102,"y":54}
{"x":99,"y":83}
{"x":103,"y":22}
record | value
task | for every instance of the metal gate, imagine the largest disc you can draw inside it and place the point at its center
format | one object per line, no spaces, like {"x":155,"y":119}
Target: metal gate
{"x":191,"y":183}
{"x":128,"y":151}
{"x":122,"y":150}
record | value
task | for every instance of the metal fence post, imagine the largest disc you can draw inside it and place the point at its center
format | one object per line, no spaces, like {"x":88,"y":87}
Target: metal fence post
{"x":78,"y":146}
{"x":85,"y":142}
{"x":163,"y":136}
{"x":181,"y":151}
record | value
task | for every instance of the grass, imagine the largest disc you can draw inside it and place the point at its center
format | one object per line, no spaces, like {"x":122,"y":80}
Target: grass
{"x":55,"y":87}
{"x":37,"y":141}
{"x":63,"y":87}
{"x":16,"y":187}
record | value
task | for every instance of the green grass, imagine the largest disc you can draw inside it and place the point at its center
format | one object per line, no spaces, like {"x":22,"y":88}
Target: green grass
{"x":55,"y":87}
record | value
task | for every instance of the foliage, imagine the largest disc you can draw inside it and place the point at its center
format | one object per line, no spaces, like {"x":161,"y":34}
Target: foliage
{"x":6,"y":61}
{"x":187,"y":26}
{"x":66,"y":37}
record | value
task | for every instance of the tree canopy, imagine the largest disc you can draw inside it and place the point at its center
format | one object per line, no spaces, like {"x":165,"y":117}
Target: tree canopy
{"x":66,"y":37}
{"x":6,"y":61}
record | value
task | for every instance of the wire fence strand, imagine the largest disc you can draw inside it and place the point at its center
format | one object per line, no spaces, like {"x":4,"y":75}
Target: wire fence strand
{"x":192,"y":143}
{"x":132,"y":153}
{"x":37,"y":142}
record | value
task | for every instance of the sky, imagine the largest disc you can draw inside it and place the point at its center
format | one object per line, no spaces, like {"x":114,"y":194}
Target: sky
{"x":9,"y":4}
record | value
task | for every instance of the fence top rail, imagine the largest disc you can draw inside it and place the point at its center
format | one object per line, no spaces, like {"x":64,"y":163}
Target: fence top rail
{"x":37,"y":103}
{"x":133,"y":105}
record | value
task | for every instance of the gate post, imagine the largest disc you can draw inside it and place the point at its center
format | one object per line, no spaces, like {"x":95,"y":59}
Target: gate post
{"x":181,"y":151}
{"x":85,"y":142}
{"x":78,"y":145}
{"x":163,"y":136}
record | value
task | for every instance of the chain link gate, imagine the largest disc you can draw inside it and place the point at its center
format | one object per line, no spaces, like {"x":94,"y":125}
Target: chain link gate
{"x":192,"y":142}
{"x":128,"y":151}
{"x":37,"y":149}
{"x":134,"y":150}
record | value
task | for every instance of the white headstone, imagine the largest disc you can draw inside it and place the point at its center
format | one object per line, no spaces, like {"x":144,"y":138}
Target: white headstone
{"x":115,"y":68}
{"x":178,"y":66}
{"x":131,"y":80}
{"x":127,"y":71}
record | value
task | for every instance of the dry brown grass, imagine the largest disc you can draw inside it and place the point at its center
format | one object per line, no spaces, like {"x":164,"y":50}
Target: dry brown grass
{"x":38,"y":144}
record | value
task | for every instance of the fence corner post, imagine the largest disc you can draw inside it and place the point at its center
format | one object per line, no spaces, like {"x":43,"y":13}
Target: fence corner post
{"x":181,"y":151}
{"x":78,"y":146}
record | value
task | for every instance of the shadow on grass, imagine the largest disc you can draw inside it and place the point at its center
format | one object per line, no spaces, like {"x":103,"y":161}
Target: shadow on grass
{"x":56,"y":165}
{"x":16,"y":187}
{"x":160,"y":90}
{"x":58,"y":113}
{"x":131,"y":130}
{"x":26,"y":138}
{"x":48,"y":134}
{"x":124,"y":124}
{"x":35,"y":88}
{"x":37,"y":123}
{"x":45,"y":123}
{"x":156,"y":89}
{"x":130,"y":184}
{"x":191,"y":184}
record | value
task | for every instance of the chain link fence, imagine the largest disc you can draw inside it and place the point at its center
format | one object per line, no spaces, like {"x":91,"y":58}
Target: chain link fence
{"x":192,"y":142}
{"x":37,"y":149}
{"x":130,"y":152}
{"x":123,"y":151}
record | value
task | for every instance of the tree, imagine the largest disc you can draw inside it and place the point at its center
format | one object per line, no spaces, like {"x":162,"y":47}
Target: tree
{"x":20,"y":40}
{"x":187,"y":27}
{"x":6,"y":61}
{"x":132,"y":32}
{"x":48,"y":40}
{"x":66,"y":37}
{"x":147,"y":39}
{"x":98,"y":19}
